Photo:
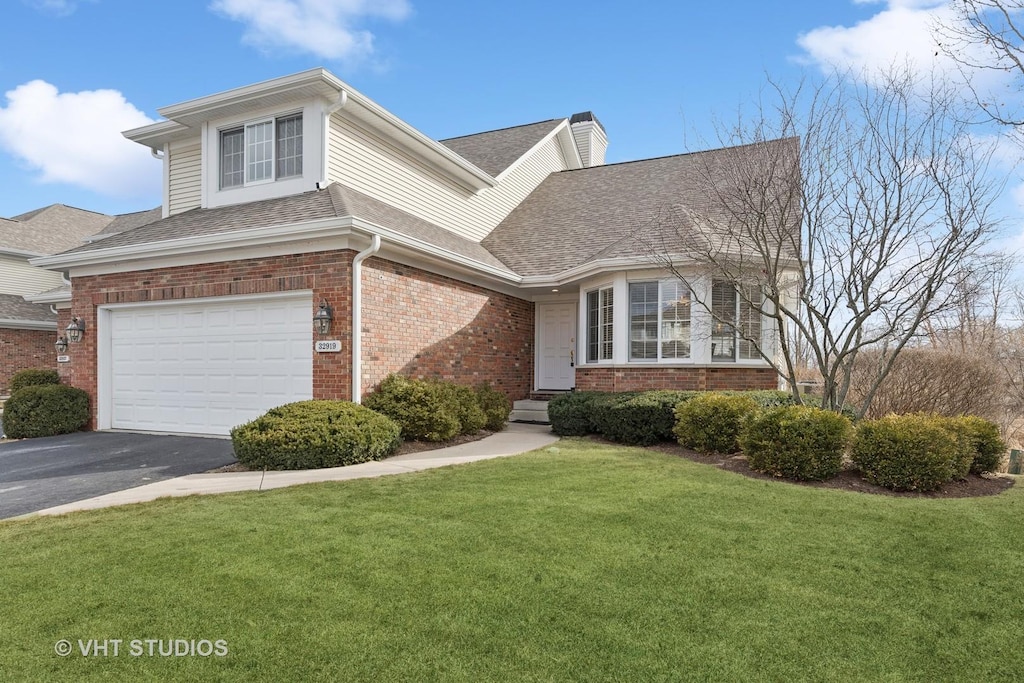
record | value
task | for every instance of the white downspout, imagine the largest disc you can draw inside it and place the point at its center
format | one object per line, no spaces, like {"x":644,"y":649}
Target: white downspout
{"x":357,"y":317}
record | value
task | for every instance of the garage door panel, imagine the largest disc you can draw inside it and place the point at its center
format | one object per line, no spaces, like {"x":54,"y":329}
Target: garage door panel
{"x":206,"y":367}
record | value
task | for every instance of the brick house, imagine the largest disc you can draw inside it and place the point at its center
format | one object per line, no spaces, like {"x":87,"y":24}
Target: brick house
{"x":504,"y":256}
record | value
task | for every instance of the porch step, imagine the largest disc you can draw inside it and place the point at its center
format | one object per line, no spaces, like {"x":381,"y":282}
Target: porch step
{"x":530,"y":411}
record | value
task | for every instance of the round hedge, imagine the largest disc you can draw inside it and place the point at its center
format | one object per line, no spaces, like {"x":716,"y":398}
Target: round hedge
{"x":45,"y":410}
{"x":711,"y":422}
{"x":796,"y":442}
{"x":987,"y":447}
{"x":33,"y":377}
{"x":313,"y":435}
{"x":495,"y":405}
{"x":910,"y":452}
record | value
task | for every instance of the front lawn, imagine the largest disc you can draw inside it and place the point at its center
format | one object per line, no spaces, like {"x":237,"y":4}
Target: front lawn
{"x":580,"y":562}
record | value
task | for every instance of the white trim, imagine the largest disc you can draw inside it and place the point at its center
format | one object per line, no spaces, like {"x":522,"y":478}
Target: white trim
{"x":23,"y":253}
{"x":15,"y":324}
{"x":560,"y":131}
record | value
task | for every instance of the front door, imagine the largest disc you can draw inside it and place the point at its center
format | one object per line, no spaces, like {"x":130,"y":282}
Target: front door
{"x":556,"y":346}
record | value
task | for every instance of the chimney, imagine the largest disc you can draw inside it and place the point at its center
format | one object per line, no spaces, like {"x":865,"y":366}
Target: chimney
{"x":591,"y":140}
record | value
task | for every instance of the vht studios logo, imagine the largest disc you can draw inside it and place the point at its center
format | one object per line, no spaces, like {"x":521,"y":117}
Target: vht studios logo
{"x":142,"y":647}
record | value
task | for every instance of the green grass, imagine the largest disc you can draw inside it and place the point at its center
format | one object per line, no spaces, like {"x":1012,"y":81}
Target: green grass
{"x":581,"y":562}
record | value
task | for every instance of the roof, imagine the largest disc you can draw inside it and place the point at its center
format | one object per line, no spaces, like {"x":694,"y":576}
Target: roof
{"x":14,"y":307}
{"x":336,"y":201}
{"x":129,"y":221}
{"x":496,"y":150}
{"x":51,"y":229}
{"x":579,"y":216}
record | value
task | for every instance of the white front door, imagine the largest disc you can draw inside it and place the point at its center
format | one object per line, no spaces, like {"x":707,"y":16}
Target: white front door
{"x":556,"y":345}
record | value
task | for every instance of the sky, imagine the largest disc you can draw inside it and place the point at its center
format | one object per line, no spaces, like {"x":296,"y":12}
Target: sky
{"x":75,"y":73}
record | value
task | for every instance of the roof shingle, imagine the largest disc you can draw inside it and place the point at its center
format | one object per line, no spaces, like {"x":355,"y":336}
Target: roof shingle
{"x":496,"y":150}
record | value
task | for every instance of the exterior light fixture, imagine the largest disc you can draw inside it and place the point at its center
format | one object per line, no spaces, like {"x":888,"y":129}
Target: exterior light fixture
{"x":76,"y":330}
{"x":61,"y":345}
{"x":322,"y":318}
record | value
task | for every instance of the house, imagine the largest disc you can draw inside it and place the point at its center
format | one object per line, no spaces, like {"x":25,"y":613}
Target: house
{"x":505,"y":256}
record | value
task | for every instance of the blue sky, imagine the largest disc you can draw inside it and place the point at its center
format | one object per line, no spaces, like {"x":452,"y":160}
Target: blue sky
{"x":73,"y":73}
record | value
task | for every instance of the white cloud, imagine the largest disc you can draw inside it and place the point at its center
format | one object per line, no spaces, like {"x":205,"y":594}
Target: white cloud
{"x":325,"y":28}
{"x":61,"y":8}
{"x":76,"y":138}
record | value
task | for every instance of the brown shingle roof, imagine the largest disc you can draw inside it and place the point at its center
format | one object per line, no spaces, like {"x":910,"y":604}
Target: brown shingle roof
{"x":496,"y":150}
{"x":14,"y":307}
{"x":130,"y":221}
{"x":51,"y":229}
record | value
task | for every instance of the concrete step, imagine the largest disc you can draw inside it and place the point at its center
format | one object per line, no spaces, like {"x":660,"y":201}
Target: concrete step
{"x":530,"y":411}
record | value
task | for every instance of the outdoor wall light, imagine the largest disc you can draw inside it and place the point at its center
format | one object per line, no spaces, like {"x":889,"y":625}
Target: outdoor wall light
{"x":322,"y":318}
{"x":76,"y":330}
{"x":61,"y":345}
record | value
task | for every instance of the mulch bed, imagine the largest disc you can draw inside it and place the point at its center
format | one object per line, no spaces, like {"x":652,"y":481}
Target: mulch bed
{"x":849,"y":479}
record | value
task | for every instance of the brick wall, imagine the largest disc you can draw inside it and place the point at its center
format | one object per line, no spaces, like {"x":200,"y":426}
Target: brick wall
{"x":424,"y":325}
{"x":692,"y":379}
{"x":23,"y":349}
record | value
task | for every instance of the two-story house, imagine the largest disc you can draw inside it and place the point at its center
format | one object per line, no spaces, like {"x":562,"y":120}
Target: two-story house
{"x":312,"y":242}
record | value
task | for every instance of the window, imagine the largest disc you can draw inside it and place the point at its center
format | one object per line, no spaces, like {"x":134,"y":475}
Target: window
{"x":261,"y":152}
{"x":736,"y":320}
{"x":659,"y":320}
{"x":599,"y":324}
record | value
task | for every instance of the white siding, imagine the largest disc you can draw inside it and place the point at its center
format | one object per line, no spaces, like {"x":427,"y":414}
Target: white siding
{"x":185,"y":176}
{"x":583,"y":138}
{"x":361,"y":160}
{"x":18,"y":277}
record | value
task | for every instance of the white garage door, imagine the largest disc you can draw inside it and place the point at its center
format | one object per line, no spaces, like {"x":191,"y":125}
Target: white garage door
{"x":203,"y":368}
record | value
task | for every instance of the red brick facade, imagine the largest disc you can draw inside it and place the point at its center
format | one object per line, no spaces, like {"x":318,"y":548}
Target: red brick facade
{"x":699,"y":378}
{"x":23,"y":349}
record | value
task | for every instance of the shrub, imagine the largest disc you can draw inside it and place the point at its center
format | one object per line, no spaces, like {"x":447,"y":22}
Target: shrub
{"x":314,"y":434}
{"x":569,"y":413}
{"x":796,"y":442}
{"x":495,"y":405}
{"x":33,"y":377}
{"x":421,"y":410}
{"x":45,"y":410}
{"x":711,"y":422}
{"x":463,"y":402}
{"x":639,"y":419}
{"x":986,"y":446}
{"x":908,"y":452}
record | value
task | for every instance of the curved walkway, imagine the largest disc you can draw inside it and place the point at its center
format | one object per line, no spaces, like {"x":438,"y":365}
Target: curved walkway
{"x":516,"y":439}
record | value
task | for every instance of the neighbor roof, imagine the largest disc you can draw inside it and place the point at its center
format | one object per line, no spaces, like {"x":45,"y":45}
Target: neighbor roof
{"x":14,"y":307}
{"x":130,"y":221}
{"x":578,"y":216}
{"x":51,"y":229}
{"x":496,"y":150}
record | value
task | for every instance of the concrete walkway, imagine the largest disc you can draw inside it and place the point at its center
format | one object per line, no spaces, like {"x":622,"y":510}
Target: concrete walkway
{"x":516,"y":439}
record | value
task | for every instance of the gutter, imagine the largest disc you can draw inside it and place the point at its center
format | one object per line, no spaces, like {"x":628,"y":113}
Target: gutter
{"x":357,"y":317}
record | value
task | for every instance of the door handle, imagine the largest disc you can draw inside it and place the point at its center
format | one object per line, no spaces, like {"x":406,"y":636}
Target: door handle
{"x":572,"y":358}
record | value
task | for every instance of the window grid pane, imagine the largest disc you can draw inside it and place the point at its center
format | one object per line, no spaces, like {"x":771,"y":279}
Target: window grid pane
{"x":723,"y":321}
{"x":643,"y":321}
{"x":259,"y":141}
{"x":750,"y":323}
{"x":593,"y":311}
{"x":232,"y":158}
{"x":675,"y":320}
{"x":606,"y":324}
{"x":289,"y":146}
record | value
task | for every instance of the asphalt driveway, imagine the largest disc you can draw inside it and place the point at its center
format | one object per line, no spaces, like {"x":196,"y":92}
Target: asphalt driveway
{"x":36,"y":474}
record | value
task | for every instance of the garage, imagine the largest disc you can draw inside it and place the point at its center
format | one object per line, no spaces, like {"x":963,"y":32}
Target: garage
{"x":204,"y":367}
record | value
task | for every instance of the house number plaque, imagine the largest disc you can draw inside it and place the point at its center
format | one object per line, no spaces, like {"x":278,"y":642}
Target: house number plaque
{"x":331,"y":346}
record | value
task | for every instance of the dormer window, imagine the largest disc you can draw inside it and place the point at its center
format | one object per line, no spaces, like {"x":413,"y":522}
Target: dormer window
{"x":261,"y":151}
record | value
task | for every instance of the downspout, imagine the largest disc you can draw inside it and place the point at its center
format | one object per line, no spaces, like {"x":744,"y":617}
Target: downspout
{"x":156,"y":154}
{"x":357,"y":317}
{"x":335,"y":106}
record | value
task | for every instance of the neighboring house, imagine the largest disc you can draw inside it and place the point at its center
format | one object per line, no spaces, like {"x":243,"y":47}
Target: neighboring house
{"x":504,"y":257}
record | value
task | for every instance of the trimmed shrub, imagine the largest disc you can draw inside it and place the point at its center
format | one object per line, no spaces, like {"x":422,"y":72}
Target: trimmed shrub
{"x":569,"y":413}
{"x":796,"y":442}
{"x":495,"y":405}
{"x":33,"y":377}
{"x":313,"y":435}
{"x":908,"y":452}
{"x":986,"y":446}
{"x":639,"y":419}
{"x":421,"y":410}
{"x":463,"y":401}
{"x":711,"y":422}
{"x":45,"y":410}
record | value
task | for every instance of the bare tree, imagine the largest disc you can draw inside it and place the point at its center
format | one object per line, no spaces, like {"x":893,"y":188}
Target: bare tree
{"x":845,"y":215}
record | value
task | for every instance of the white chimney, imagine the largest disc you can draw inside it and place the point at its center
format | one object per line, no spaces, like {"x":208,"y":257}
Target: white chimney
{"x":591,"y":140}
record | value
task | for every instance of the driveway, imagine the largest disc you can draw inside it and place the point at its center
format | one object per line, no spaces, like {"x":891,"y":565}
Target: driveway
{"x":36,"y":474}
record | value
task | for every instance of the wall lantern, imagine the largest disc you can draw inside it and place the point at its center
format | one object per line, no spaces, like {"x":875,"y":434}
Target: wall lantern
{"x":322,"y":318}
{"x":61,"y":344}
{"x":76,"y":330}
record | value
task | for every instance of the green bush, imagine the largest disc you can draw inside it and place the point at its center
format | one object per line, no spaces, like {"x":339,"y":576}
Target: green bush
{"x":422,"y":411}
{"x":315,"y":434}
{"x":796,"y":442}
{"x":495,"y":405}
{"x":467,"y":409}
{"x":987,"y":447}
{"x":569,"y":413}
{"x":45,"y":410}
{"x":33,"y":377}
{"x":908,"y":452}
{"x":639,"y":419}
{"x":711,"y":422}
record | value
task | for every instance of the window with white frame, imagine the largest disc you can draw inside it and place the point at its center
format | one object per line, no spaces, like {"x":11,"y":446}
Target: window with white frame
{"x":735,"y":321}
{"x":599,"y":324}
{"x":261,"y":151}
{"x":659,"y":320}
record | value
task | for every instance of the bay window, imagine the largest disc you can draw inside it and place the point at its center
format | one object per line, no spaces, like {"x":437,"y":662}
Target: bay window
{"x":261,"y":151}
{"x":735,"y":322}
{"x":659,"y":320}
